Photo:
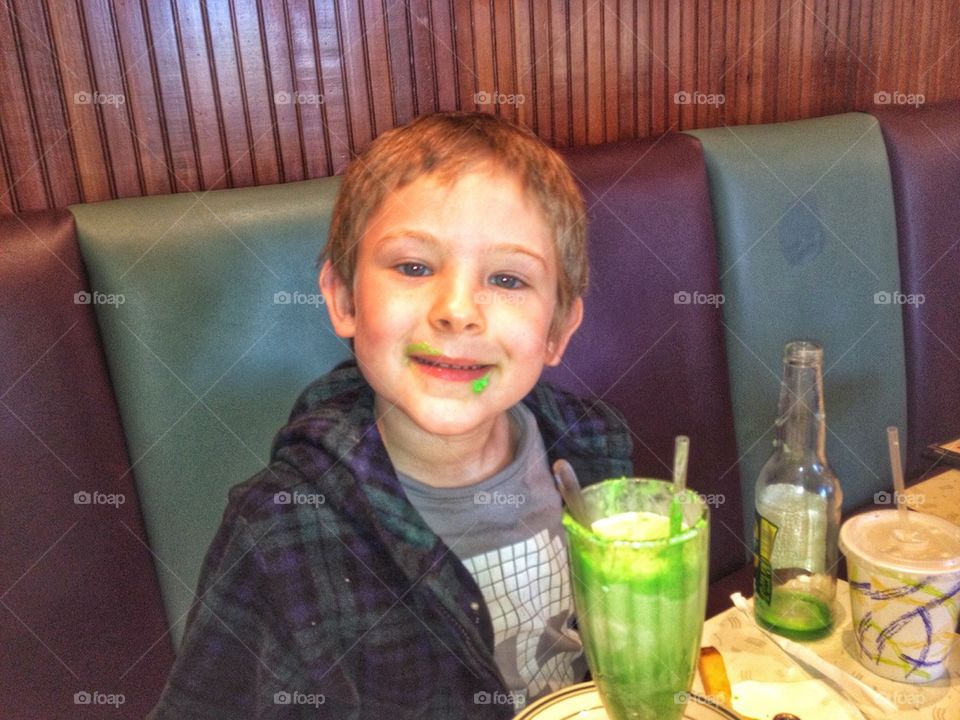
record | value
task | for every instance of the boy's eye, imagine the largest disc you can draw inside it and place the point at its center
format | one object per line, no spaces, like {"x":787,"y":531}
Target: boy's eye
{"x":507,"y":282}
{"x":413,"y":269}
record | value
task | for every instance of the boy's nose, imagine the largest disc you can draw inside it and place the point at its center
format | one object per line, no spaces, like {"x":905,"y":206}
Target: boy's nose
{"x":456,"y":308}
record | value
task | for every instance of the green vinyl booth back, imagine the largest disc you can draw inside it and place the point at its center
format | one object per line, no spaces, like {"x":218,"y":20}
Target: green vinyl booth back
{"x":212,"y":324}
{"x":807,"y":247}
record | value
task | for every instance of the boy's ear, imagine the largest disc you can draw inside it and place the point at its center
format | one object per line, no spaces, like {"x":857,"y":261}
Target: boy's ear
{"x":560,"y":337}
{"x":338,"y":297}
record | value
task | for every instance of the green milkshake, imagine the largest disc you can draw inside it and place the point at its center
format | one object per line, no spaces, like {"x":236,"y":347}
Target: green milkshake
{"x":640,"y":594}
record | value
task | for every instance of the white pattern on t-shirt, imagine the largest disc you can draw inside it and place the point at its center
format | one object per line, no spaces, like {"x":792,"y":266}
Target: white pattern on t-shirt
{"x":527,"y":590}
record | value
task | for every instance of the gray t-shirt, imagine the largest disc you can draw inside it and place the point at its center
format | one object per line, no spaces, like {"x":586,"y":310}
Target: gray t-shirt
{"x":506,"y":530}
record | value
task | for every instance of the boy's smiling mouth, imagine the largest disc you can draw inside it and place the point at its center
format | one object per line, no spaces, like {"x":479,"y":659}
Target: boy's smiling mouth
{"x":448,"y":368}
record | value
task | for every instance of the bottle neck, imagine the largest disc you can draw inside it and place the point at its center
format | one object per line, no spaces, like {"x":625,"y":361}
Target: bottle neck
{"x":801,"y":428}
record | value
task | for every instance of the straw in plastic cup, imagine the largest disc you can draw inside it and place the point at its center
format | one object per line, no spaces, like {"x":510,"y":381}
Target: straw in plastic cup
{"x":904,"y":595}
{"x":899,"y":488}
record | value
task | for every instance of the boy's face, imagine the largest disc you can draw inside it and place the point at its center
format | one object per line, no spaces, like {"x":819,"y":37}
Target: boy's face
{"x":452,"y":302}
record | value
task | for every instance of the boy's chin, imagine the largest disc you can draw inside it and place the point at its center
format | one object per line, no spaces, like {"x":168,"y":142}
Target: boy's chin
{"x":454,"y":424}
{"x":454,"y":418}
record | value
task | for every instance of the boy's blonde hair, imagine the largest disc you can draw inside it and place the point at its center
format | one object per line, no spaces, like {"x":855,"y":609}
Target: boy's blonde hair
{"x":449,"y":145}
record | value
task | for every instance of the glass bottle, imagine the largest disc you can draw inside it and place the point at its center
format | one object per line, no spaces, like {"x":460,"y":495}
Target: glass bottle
{"x":798,"y":502}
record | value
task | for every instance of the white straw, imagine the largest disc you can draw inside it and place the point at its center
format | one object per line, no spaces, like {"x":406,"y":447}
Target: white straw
{"x":893,"y":441}
{"x":681,"y":451}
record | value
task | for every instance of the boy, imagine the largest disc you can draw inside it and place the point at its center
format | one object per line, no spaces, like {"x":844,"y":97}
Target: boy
{"x":421,"y":571}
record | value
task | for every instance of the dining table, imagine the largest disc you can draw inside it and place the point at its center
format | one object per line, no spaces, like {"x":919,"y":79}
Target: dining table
{"x":938,"y":495}
{"x":750,"y":655}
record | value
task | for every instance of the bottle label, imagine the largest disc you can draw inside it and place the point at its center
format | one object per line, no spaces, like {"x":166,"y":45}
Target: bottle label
{"x":764,"y":535}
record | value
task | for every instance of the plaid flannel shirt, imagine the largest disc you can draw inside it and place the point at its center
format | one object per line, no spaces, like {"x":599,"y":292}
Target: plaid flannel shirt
{"x":324,"y":593}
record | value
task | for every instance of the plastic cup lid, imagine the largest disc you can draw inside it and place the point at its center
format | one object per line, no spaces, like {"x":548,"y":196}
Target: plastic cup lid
{"x":926,"y":544}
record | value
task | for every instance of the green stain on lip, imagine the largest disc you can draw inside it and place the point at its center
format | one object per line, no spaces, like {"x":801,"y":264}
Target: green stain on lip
{"x":480,"y":384}
{"x":422,"y":348}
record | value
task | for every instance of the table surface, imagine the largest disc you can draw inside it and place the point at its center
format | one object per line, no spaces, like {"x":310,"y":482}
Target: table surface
{"x":750,"y":655}
{"x":939,"y":495}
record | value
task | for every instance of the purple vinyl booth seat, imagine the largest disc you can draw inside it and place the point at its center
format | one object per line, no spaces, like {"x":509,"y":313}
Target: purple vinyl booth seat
{"x":80,"y":609}
{"x":923,"y":146}
{"x":645,"y":345}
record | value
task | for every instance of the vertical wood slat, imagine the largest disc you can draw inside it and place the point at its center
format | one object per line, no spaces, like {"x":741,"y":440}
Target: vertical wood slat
{"x":143,"y":108}
{"x":202,"y":98}
{"x":643,"y":70}
{"x":445,"y":64}
{"x":424,"y":39}
{"x":593,"y":79}
{"x":306,"y":113}
{"x":259,"y":104}
{"x":119,"y":146}
{"x":539,"y":71}
{"x":81,"y":100}
{"x":336,"y":122}
{"x":523,"y":63}
{"x":55,"y":158}
{"x":505,"y":49}
{"x":379,"y":73}
{"x":578,"y":68}
{"x":172,"y":96}
{"x":403,"y":86}
{"x":626,"y":70}
{"x":25,"y":185}
{"x":200,"y":81}
{"x":279,"y":73}
{"x":561,"y":90}
{"x":350,"y":38}
{"x":686,"y":43}
{"x":484,"y":69}
{"x":662,"y":75}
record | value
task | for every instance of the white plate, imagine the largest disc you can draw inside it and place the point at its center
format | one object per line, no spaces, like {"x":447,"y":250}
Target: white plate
{"x":582,"y":701}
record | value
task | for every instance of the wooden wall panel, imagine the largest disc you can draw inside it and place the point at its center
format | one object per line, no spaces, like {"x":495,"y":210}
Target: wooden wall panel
{"x":103,"y":99}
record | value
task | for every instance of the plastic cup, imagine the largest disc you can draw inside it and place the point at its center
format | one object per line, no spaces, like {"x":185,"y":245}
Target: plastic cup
{"x":904,"y":592}
{"x":640,"y":602}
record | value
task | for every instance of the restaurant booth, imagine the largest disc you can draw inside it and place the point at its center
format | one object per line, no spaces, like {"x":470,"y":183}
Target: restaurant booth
{"x":151,"y":346}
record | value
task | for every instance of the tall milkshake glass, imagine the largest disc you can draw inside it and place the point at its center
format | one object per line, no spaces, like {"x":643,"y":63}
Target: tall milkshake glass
{"x":640,"y":594}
